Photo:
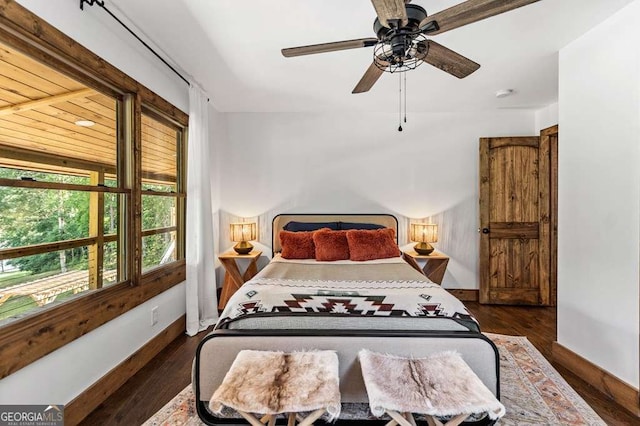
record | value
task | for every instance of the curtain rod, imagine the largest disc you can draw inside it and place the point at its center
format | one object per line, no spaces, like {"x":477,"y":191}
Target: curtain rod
{"x":101,"y":4}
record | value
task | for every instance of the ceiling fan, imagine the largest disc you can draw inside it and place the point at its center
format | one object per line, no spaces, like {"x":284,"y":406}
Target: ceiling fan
{"x":401,"y":44}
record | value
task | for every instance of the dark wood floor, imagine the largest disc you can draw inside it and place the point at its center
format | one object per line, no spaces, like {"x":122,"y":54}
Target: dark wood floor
{"x":159,"y":381}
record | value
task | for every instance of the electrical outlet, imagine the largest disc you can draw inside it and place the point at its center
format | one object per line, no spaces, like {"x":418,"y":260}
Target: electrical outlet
{"x":154,"y":315}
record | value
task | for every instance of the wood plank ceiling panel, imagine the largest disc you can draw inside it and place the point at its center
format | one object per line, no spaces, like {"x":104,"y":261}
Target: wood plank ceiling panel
{"x":34,"y":67}
{"x":90,"y":104}
{"x":34,"y":80}
{"x":51,"y":127}
{"x":159,"y":147}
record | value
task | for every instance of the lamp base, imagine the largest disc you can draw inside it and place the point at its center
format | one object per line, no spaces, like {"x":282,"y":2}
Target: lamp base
{"x":424,"y":249}
{"x":243,"y":247}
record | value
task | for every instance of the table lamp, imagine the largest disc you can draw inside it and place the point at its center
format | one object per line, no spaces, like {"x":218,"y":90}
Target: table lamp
{"x":241,"y":233}
{"x":423,"y":234}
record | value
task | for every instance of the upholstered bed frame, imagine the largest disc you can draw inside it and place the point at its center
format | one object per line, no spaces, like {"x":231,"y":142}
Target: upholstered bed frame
{"x":386,"y":220}
{"x":217,"y":350}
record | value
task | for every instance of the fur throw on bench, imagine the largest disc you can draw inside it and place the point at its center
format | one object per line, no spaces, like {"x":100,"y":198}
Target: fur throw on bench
{"x":439,"y":385}
{"x":267,"y":382}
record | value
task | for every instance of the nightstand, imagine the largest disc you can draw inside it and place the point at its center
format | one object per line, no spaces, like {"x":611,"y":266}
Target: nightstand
{"x":434,"y":267}
{"x":233,"y":280}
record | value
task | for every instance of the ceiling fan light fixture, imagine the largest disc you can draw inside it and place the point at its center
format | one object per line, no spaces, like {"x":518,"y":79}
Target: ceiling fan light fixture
{"x":388,"y":58}
{"x":387,"y":50}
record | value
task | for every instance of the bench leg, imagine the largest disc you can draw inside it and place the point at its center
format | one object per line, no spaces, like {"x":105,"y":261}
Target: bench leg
{"x":250,"y":418}
{"x":410,"y":418}
{"x":398,"y":418}
{"x":455,"y":421}
{"x":432,"y":421}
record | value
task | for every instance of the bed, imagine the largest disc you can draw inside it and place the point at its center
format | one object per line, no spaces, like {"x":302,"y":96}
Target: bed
{"x":384,"y":305}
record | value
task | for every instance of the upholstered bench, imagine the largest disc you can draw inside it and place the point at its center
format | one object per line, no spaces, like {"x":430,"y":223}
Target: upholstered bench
{"x":261,"y":385}
{"x":439,"y":386}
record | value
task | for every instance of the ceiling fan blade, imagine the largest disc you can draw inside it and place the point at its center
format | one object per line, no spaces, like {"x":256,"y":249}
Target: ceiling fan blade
{"x":448,"y":60}
{"x":468,"y":12}
{"x":329,"y":47}
{"x":370,"y":77}
{"x":391,"y":10}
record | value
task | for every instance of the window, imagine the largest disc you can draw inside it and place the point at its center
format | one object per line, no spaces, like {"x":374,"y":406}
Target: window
{"x":59,"y":187}
{"x":92,"y":194}
{"x":162,"y":206}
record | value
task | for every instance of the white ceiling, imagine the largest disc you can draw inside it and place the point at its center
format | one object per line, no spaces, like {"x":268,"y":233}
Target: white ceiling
{"x":232,"y":48}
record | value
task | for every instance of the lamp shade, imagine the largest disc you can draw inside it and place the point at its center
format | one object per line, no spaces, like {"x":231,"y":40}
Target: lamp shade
{"x":424,"y":232}
{"x":244,"y":231}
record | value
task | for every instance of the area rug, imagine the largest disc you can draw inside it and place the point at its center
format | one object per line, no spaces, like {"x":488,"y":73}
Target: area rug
{"x":533,"y":392}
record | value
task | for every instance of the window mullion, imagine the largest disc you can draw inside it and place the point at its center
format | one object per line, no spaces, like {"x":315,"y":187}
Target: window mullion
{"x":96,"y":230}
{"x":126,"y":171}
{"x":136,"y":235}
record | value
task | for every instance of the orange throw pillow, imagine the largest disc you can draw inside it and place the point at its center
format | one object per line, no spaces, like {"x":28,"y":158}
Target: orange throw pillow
{"x":298,"y":245}
{"x":331,"y":245}
{"x":372,"y":244}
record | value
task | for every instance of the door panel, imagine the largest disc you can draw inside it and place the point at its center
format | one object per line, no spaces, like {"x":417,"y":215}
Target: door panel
{"x":515,"y":220}
{"x":514,"y":183}
{"x":513,"y":264}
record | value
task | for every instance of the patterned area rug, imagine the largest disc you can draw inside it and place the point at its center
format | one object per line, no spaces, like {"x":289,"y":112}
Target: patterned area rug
{"x":533,"y":392}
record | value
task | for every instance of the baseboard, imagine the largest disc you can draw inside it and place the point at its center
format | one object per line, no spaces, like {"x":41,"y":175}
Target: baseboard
{"x":612,"y":387}
{"x":82,"y":405}
{"x":466,"y":295}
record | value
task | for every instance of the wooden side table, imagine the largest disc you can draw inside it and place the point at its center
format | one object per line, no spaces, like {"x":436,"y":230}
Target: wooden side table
{"x":233,"y":280}
{"x":435,"y":266}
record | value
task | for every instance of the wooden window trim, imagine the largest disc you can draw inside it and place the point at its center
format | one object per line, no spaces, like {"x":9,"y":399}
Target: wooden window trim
{"x":180,"y":183}
{"x":27,"y":339}
{"x":163,"y":193}
{"x":14,"y":252}
{"x":34,"y":184}
{"x":18,"y":153}
{"x":156,"y":231}
{"x":153,"y":112}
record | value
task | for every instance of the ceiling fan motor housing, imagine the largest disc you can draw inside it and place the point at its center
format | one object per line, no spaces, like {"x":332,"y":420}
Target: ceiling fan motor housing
{"x":415,"y":14}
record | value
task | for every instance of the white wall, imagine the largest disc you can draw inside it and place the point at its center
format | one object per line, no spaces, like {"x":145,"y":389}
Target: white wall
{"x":60,"y":376}
{"x":359,"y":163}
{"x":63,"y":374}
{"x":98,"y":32}
{"x":599,"y":195}
{"x":546,"y":117}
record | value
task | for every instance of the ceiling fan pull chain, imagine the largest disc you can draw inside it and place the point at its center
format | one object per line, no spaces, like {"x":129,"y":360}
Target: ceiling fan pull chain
{"x":400,"y":103}
{"x":405,"y":97}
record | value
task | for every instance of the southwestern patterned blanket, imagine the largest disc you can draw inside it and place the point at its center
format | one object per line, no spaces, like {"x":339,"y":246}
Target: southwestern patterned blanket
{"x":385,"y":288}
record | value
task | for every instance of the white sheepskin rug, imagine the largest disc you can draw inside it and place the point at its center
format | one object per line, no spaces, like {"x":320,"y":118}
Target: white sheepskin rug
{"x":439,"y":385}
{"x":275,"y":382}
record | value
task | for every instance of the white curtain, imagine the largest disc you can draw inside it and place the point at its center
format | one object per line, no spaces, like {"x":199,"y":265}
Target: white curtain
{"x":201,"y":280}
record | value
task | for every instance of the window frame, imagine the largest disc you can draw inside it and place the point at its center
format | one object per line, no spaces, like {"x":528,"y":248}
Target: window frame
{"x":27,"y":339}
{"x":179,"y":195}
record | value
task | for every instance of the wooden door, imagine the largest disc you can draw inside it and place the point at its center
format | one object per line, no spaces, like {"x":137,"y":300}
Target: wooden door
{"x":517,"y":182}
